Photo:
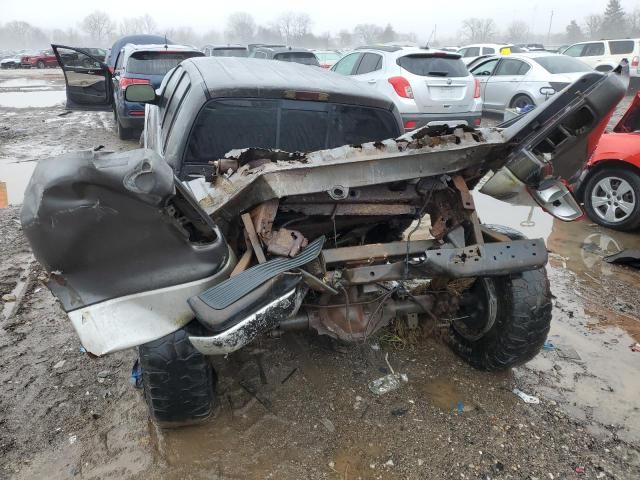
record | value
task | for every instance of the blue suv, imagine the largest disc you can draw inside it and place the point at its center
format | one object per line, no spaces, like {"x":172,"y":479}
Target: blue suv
{"x":92,"y":85}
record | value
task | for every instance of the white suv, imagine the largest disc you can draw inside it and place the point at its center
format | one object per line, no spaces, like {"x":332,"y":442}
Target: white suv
{"x":428,"y":86}
{"x":605,"y":55}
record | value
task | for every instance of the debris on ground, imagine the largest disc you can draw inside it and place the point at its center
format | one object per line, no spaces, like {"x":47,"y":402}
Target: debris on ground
{"x":568,"y":353}
{"x":635,"y":347}
{"x":59,"y":365}
{"x":389,"y":382}
{"x":548,"y":345}
{"x":9,"y":297}
{"x":627,"y":256}
{"x":328,"y":424}
{"x":527,"y":398}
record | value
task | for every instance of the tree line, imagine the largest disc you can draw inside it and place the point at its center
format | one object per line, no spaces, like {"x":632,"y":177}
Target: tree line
{"x":99,"y":29}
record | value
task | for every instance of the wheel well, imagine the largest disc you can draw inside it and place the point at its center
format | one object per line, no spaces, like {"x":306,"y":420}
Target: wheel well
{"x":605,"y":165}
{"x":521,"y":95}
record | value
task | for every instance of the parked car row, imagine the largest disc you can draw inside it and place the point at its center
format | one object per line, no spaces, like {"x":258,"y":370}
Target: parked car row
{"x":41,"y":59}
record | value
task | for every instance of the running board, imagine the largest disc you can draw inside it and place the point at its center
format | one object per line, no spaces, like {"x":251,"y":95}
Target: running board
{"x":234,"y":288}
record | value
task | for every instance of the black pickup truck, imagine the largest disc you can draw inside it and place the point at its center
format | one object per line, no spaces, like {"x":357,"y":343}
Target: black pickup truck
{"x":273,"y":197}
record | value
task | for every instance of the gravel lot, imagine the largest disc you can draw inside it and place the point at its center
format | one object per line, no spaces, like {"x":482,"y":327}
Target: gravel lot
{"x":298,"y":407}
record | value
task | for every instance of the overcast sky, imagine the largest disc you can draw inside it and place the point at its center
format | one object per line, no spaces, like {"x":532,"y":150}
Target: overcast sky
{"x":327,"y":15}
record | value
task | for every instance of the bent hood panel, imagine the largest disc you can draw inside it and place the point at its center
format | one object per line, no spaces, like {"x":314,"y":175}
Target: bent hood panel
{"x":106,"y":225}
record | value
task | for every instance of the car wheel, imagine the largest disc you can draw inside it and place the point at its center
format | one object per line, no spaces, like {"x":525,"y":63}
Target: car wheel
{"x":521,"y":101}
{"x":40,"y":64}
{"x":178,"y":381}
{"x":611,"y":199}
{"x":503,"y":321}
{"x":123,"y":132}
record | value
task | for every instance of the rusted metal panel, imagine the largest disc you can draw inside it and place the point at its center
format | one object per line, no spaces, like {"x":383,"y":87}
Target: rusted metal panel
{"x":263,"y":216}
{"x":374,"y":251}
{"x":286,"y":243}
{"x":358,"y":209}
{"x":253,"y":237}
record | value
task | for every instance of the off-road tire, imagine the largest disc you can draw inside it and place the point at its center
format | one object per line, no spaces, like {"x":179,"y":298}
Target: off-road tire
{"x":522,"y":320}
{"x":178,"y":381}
{"x":521,"y":98}
{"x":629,"y":224}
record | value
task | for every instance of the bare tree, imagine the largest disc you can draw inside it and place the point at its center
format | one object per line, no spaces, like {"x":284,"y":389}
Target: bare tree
{"x":240,"y":27}
{"x":18,"y":34}
{"x":293,"y":26}
{"x":478,"y":29}
{"x":148,"y":24}
{"x":593,"y":26}
{"x":98,"y":25}
{"x":183,"y":35}
{"x":345,"y":39}
{"x":368,"y":33}
{"x":518,"y":31}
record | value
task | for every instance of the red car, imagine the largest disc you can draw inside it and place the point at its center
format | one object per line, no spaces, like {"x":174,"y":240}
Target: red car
{"x":610,"y":185}
{"x":44,"y":59}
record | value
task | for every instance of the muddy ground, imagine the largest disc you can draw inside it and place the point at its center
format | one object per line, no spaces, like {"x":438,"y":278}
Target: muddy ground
{"x":298,"y":407}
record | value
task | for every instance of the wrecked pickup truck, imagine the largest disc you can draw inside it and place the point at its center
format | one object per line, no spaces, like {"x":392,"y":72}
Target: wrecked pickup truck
{"x":270,"y":240}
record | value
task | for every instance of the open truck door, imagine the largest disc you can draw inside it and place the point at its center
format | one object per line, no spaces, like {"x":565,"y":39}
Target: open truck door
{"x":87,"y":79}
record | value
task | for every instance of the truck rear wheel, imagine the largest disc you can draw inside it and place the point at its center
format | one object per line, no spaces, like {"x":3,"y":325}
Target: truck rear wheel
{"x":178,"y":381}
{"x":504,"y":321}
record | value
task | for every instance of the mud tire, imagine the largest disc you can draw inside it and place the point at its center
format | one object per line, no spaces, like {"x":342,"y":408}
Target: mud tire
{"x":522,"y":320}
{"x":178,"y":381}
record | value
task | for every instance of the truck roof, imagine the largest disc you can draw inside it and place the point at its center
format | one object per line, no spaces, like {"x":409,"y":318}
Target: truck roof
{"x":250,"y":77}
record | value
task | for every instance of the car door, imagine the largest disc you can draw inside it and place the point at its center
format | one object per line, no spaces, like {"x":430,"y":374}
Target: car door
{"x":593,"y":54}
{"x":369,"y":69}
{"x":87,"y":79}
{"x":503,"y":84}
{"x":483,"y":73}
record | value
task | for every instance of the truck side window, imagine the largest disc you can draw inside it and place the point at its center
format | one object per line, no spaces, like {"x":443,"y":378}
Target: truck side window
{"x":174,"y":103}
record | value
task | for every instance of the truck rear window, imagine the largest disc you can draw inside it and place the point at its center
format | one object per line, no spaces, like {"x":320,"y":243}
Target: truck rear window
{"x":157,"y":63}
{"x":306,"y":58}
{"x":562,"y":64}
{"x":433,"y":66}
{"x":291,"y":125}
{"x":229,"y":52}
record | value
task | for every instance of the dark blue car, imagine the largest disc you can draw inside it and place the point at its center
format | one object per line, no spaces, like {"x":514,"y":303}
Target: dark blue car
{"x":93,"y":84}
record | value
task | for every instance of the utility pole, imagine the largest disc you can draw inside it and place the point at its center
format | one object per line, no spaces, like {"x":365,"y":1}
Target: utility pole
{"x":549,"y":31}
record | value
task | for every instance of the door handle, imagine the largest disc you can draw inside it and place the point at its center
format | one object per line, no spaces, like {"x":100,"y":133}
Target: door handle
{"x":371,"y":81}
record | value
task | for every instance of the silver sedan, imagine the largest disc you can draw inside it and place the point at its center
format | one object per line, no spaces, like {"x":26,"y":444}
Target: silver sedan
{"x":522,"y":79}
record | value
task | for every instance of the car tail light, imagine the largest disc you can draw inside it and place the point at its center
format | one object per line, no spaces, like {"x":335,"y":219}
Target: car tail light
{"x":635,"y":62}
{"x":477,"y":121}
{"x":409,"y":124}
{"x":136,"y":112}
{"x":402,"y":86}
{"x":476,"y":89}
{"x":126,"y":81}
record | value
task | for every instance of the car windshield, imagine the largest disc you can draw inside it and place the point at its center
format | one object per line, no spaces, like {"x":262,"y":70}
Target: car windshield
{"x":562,"y":64}
{"x":291,"y":125}
{"x":229,"y":52}
{"x":328,"y":56}
{"x":157,"y":63}
{"x":306,"y":58}
{"x":433,"y":66}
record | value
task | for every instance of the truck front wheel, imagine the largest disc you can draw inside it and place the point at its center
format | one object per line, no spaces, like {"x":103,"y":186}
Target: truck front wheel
{"x":178,"y":381}
{"x":502,"y":322}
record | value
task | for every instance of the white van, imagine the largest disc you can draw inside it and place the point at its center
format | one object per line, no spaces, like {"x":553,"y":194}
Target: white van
{"x":605,"y":55}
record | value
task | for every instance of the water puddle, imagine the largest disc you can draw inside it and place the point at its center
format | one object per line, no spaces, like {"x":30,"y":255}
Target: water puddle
{"x":16,"y":176}
{"x":32,"y":99}
{"x":24,"y":83}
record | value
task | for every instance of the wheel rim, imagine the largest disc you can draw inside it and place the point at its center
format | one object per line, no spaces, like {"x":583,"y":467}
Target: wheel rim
{"x":522,"y":102}
{"x":613,"y":199}
{"x":478,"y":310}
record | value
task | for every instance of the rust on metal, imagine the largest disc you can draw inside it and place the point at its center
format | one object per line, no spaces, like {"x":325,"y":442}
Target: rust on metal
{"x":253,"y":237}
{"x":286,"y":243}
{"x":374,"y":252}
{"x":263,"y":216}
{"x":356,"y":209}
